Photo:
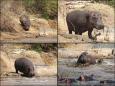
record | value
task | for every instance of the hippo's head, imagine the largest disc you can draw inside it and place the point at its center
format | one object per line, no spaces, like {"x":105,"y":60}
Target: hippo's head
{"x":96,"y":20}
{"x":81,"y":78}
{"x":26,"y":27}
{"x":25,"y":22}
{"x":30,"y":72}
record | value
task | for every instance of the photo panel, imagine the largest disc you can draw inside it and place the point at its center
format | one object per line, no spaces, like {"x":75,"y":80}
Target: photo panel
{"x":57,"y":43}
{"x":29,"y":21}
{"x":86,"y":64}
{"x":28,"y":64}
{"x":86,"y":21}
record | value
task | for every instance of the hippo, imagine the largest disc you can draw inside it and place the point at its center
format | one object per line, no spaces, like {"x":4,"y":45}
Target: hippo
{"x":25,"y":66}
{"x":86,"y":78}
{"x":99,"y":61}
{"x":82,"y":21}
{"x":86,"y":59}
{"x":68,"y":81}
{"x":25,"y":22}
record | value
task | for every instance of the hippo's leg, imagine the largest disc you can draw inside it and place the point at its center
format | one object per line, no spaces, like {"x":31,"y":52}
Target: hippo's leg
{"x":70,"y":27}
{"x":90,"y":34}
{"x":16,"y":70}
{"x":76,"y":32}
{"x":70,"y":31}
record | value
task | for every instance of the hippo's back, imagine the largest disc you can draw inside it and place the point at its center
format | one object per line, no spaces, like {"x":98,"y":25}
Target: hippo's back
{"x":24,"y":65}
{"x":25,"y":22}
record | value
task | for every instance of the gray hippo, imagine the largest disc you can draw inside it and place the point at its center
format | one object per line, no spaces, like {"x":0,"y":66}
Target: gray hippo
{"x":82,"y":21}
{"x":25,"y":66}
{"x":25,"y":22}
{"x":86,"y":59}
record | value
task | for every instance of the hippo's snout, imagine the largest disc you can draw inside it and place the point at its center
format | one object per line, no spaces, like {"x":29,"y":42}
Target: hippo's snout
{"x":31,"y":75}
{"x":101,"y":27}
{"x":26,"y":29}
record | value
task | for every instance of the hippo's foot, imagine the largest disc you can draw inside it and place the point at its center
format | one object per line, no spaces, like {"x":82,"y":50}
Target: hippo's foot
{"x":93,"y":38}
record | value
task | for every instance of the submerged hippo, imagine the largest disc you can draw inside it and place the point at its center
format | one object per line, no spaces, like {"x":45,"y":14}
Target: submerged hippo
{"x":25,"y":66}
{"x":25,"y":22}
{"x":86,"y":78}
{"x":82,"y":21}
{"x":86,"y":59}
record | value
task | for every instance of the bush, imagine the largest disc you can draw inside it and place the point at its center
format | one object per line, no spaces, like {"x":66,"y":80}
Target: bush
{"x":109,"y":2}
{"x":44,"y":47}
{"x":47,"y":8}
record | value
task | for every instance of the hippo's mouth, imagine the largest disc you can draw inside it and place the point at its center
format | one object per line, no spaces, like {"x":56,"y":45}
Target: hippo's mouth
{"x":100,"y":27}
{"x":26,"y":29}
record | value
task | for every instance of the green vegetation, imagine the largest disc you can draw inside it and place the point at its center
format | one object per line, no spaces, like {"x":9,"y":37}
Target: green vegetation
{"x":44,"y":47}
{"x":47,"y":8}
{"x":109,"y":2}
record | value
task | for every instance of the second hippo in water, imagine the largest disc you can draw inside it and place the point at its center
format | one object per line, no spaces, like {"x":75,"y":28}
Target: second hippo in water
{"x":86,"y":59}
{"x":86,"y":78}
{"x":25,"y":66}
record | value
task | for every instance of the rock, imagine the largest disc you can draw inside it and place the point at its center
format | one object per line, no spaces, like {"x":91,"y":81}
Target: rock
{"x":46,"y":71}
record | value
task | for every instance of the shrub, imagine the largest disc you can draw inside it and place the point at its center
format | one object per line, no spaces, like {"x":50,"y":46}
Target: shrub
{"x":47,"y":8}
{"x":44,"y":47}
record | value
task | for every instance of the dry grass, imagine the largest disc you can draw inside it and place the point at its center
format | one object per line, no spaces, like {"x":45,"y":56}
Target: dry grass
{"x":6,"y":63}
{"x":33,"y":56}
{"x":49,"y":58}
{"x":10,"y":25}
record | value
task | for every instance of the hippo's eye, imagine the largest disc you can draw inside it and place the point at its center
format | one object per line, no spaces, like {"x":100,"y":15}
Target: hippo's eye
{"x":94,"y":19}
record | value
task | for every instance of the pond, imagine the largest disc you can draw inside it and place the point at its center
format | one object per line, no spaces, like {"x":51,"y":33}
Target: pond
{"x":101,"y":72}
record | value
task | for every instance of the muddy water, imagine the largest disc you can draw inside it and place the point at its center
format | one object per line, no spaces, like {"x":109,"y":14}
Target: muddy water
{"x":36,"y":81}
{"x":104,"y":71}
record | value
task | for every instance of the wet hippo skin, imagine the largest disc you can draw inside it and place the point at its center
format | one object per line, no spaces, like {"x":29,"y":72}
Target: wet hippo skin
{"x":25,"y":66}
{"x":82,"y":21}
